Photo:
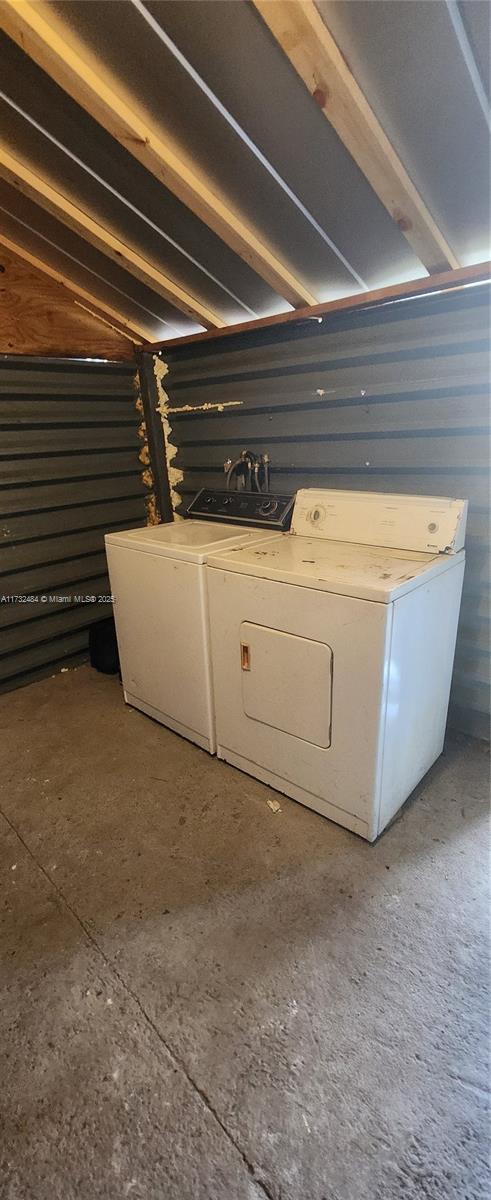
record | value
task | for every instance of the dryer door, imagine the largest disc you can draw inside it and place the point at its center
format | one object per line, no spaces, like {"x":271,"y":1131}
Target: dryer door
{"x":287,"y":682}
{"x":299,"y":680}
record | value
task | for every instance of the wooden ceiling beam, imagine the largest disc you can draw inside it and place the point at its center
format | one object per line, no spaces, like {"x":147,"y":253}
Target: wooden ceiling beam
{"x":105,"y":321}
{"x":23,"y":177}
{"x":139,"y":334}
{"x":304,"y":38}
{"x":42,"y":34}
{"x":446,"y":281}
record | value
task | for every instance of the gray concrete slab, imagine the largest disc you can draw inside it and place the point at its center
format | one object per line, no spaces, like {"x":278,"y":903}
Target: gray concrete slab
{"x":207,"y":999}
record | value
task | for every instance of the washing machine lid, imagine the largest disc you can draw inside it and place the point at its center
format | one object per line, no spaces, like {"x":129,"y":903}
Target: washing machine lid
{"x":189,"y":540}
{"x":367,"y":572}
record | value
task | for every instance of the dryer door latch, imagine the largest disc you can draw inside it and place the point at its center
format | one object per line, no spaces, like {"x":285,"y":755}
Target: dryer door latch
{"x":245,"y":656}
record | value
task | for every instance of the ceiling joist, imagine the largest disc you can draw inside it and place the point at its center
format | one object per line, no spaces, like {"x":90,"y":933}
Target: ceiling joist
{"x":123,"y":325}
{"x":21,"y":176}
{"x":105,"y":321}
{"x":306,"y":41}
{"x":42,"y":35}
{"x":445,"y":281}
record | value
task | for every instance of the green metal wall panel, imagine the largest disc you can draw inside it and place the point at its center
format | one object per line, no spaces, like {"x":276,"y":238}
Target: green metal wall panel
{"x":69,"y":471}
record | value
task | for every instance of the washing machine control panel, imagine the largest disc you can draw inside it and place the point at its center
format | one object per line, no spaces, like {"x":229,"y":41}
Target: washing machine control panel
{"x":243,"y":508}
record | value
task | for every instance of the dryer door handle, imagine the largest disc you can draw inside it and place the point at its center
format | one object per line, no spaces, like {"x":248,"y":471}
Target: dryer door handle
{"x":245,"y":656}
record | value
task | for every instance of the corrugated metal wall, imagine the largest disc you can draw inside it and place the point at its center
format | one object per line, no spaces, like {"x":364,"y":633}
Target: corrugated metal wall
{"x":389,"y":398}
{"x":69,"y":472}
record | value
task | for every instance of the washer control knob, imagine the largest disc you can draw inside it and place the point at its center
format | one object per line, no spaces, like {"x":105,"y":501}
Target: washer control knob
{"x":268,"y":507}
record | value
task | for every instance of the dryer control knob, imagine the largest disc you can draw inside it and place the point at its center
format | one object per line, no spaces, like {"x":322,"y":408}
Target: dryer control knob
{"x":317,"y":515}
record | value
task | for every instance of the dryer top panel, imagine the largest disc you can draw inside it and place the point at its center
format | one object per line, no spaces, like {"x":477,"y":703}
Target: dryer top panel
{"x":367,"y":572}
{"x":189,"y":540}
{"x":433,"y":524}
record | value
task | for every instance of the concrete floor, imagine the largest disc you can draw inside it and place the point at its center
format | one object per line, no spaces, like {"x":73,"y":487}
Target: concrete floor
{"x":206,"y":1000}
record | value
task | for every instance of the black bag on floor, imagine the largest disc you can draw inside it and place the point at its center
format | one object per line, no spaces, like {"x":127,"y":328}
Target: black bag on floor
{"x":103,"y":647}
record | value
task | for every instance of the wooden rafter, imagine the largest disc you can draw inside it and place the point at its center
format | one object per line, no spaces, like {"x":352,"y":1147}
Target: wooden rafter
{"x":307,"y":42}
{"x":21,"y":176}
{"x":41,"y":34}
{"x":138,"y":332}
{"x":477,"y":273}
{"x":104,"y":321}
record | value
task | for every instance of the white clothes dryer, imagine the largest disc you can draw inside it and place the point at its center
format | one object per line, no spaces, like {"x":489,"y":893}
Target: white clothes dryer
{"x":333,"y":647}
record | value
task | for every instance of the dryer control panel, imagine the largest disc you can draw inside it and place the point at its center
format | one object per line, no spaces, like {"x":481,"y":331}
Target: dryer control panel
{"x":261,"y":509}
{"x":434,"y":524}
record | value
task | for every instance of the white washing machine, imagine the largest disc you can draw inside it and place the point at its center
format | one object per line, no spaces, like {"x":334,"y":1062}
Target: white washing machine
{"x":332,"y":650}
{"x":160,"y":605}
